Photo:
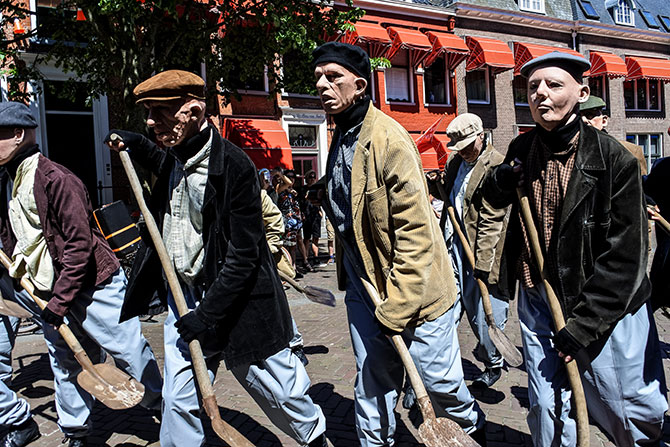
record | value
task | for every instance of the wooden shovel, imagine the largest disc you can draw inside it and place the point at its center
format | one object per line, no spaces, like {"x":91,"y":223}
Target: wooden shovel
{"x":509,"y":352}
{"x":223,"y":430}
{"x":315,"y":294}
{"x":108,"y":384}
{"x":574,"y":378}
{"x":433,"y":432}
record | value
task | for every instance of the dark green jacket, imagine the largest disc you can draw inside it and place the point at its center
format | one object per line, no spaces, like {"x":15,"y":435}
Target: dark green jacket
{"x":602,"y":241}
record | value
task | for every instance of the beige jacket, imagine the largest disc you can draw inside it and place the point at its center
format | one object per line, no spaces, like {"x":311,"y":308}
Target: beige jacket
{"x":394,"y":226}
{"x":273,"y":222}
{"x":485,"y":226}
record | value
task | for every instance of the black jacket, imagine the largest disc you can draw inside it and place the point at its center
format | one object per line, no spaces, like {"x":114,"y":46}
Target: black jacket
{"x":243,"y":291}
{"x":602,"y":241}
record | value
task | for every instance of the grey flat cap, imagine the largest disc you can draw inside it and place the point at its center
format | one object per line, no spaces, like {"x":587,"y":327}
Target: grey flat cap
{"x":16,"y":114}
{"x":573,"y":64}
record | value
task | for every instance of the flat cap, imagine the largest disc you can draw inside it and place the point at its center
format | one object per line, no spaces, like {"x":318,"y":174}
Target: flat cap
{"x":351,"y":57}
{"x":594,"y":102}
{"x":573,"y":64}
{"x":170,"y":84}
{"x":463,"y":130}
{"x":16,"y":114}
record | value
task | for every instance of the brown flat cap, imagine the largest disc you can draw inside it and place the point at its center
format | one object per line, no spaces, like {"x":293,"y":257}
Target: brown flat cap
{"x":170,"y":84}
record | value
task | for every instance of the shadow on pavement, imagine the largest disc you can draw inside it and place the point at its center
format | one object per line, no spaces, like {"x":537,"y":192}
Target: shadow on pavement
{"x":317,"y":349}
{"x":521,"y":394}
{"x":340,"y":424}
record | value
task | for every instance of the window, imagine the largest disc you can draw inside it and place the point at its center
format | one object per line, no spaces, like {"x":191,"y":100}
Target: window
{"x":436,"y":83}
{"x":302,"y":136}
{"x":598,"y":87}
{"x":532,"y":5}
{"x":477,"y":86}
{"x":642,"y":94}
{"x":398,"y":81}
{"x":588,"y":9}
{"x":520,"y":90}
{"x":665,"y":20}
{"x":623,"y":14}
{"x":651,"y":145}
{"x":649,"y":19}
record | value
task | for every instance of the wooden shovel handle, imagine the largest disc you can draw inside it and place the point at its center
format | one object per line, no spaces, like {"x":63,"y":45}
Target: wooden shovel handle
{"x":197,"y":357}
{"x":64,"y":330}
{"x":419,"y":389}
{"x":486,"y":299}
{"x":583,"y":437}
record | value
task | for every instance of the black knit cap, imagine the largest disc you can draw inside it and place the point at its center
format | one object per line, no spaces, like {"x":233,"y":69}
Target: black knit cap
{"x":350,"y":57}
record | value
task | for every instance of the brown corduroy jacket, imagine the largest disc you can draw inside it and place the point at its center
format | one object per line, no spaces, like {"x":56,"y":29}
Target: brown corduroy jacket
{"x":394,"y":226}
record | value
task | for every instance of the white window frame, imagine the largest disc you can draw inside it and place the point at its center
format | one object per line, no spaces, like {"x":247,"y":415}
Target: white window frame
{"x":646,"y":149}
{"x":532,"y":6}
{"x":635,"y":98}
{"x":410,"y":86}
{"x":624,"y":13}
{"x":266,"y":86}
{"x":519,"y":104}
{"x":487,"y":80}
{"x":605,"y":92}
{"x":447,"y":80}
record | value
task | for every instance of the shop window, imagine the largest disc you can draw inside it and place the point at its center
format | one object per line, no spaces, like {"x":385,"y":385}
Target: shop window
{"x":302,"y":136}
{"x":651,"y":145}
{"x":520,"y":90}
{"x":532,"y":5}
{"x":436,"y":83}
{"x":598,"y":86}
{"x":477,"y":86}
{"x":642,"y":94}
{"x":398,"y":80}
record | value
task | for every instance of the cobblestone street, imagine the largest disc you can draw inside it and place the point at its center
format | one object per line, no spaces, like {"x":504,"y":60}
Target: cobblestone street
{"x":331,"y":369}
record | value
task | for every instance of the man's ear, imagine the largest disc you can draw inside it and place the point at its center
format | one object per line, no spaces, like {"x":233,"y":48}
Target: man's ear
{"x":605,"y":120}
{"x":19,"y":135}
{"x":196,"y":108}
{"x":584,"y":93}
{"x":361,"y":86}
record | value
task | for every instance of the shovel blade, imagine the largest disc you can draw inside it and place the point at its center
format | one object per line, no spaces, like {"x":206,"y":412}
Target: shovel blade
{"x":507,"y":349}
{"x":111,"y":386}
{"x":443,"y":432}
{"x":319,"y":295}
{"x":12,"y":309}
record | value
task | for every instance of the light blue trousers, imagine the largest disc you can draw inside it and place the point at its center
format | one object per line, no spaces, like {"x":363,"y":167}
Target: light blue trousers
{"x":622,"y":375}
{"x":471,"y":298}
{"x":436,"y":352}
{"x":279,"y":385}
{"x":13,"y":409}
{"x":93,"y":318}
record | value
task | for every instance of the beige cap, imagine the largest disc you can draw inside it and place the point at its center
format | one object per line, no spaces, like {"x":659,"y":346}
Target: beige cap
{"x":170,"y":84}
{"x":463,"y":130}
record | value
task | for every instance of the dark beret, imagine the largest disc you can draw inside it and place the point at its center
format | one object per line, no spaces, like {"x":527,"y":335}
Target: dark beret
{"x":350,"y":57}
{"x":16,"y":114}
{"x":170,"y":84}
{"x":573,"y":64}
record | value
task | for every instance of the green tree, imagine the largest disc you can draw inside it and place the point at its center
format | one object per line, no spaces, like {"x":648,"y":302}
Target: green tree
{"x":122,"y":42}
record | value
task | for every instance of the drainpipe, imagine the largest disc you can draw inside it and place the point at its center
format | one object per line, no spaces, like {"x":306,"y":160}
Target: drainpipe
{"x":574,"y":40}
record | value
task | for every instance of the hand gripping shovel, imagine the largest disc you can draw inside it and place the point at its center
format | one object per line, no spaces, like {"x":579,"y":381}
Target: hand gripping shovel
{"x":574,"y":378}
{"x":433,"y":432}
{"x":660,"y":219}
{"x":315,"y":294}
{"x":223,"y":430}
{"x":108,"y":384}
{"x":509,"y":352}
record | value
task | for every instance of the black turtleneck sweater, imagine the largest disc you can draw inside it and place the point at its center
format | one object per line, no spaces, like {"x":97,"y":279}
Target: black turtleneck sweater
{"x":14,"y":163}
{"x":338,"y":170}
{"x":558,"y":140}
{"x":191,"y":146}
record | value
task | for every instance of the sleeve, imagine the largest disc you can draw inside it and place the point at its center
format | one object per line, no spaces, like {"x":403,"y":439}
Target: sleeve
{"x":273,"y":222}
{"x":242,"y":259}
{"x":620,"y":268}
{"x":489,"y":230}
{"x":69,"y":201}
{"x":148,"y":155}
{"x":411,"y":218}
